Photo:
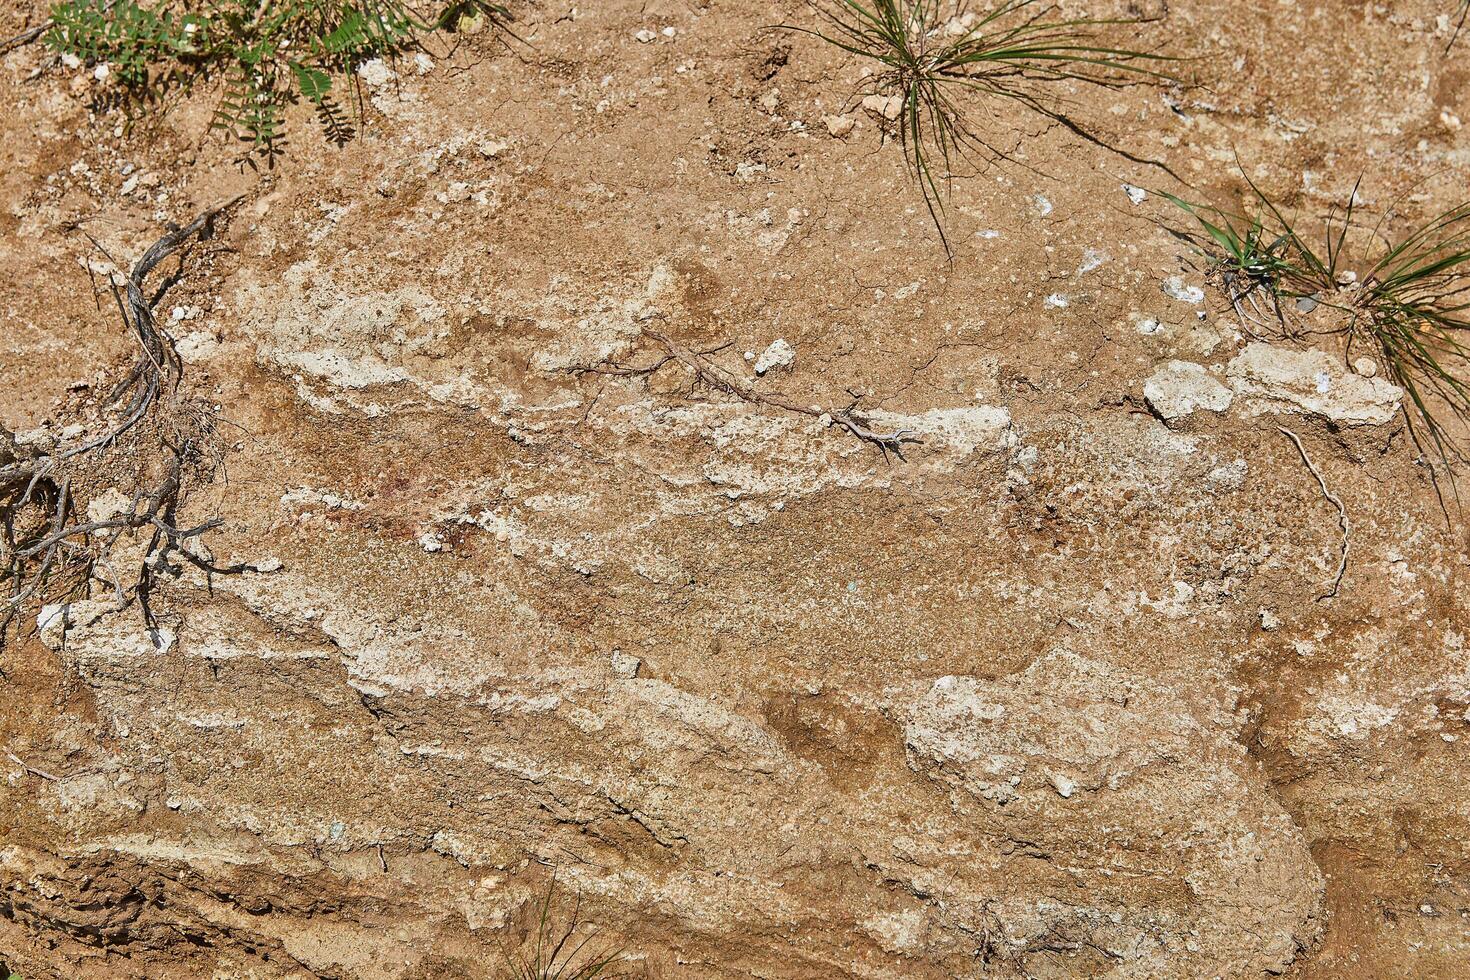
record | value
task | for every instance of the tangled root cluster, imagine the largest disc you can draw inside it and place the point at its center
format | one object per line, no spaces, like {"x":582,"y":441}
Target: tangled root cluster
{"x":102,"y":512}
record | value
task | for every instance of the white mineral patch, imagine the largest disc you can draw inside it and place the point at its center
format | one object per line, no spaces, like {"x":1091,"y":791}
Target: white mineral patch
{"x":375,"y":73}
{"x":1175,"y":288}
{"x":961,"y":431}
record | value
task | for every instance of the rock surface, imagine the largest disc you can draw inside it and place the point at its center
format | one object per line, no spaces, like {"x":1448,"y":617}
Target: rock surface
{"x":538,"y":610}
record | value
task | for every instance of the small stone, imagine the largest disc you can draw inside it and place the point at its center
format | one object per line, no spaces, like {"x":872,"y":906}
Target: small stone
{"x":1270,"y":622}
{"x":839,"y":127}
{"x":961,"y":25}
{"x":1366,"y":367}
{"x":431,"y":542}
{"x":625,"y":664}
{"x":101,"y":72}
{"x":1306,"y":304}
{"x":884,"y":107}
{"x":779,"y":354}
{"x":490,"y":149}
{"x":645,"y":36}
{"x":669,"y":31}
{"x":1135,"y":194}
{"x":1064,"y":786}
{"x":749,"y":171}
{"x":1177,"y":388}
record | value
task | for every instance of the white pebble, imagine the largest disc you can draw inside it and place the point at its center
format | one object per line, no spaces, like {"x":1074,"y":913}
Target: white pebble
{"x":779,"y":354}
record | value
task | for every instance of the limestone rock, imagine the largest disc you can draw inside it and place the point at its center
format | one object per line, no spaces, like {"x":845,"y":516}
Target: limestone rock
{"x":779,"y":354}
{"x":839,"y":127}
{"x":1048,"y":757}
{"x":884,"y":107}
{"x":1177,"y":388}
{"x":1269,"y":378}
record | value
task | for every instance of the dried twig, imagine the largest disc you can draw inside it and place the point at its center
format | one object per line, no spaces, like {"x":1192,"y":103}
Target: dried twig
{"x":711,"y":374}
{"x":24,"y":37}
{"x":1336,"y":501}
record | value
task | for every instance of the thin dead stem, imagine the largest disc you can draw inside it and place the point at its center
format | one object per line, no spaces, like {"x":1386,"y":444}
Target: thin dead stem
{"x":706,"y":371}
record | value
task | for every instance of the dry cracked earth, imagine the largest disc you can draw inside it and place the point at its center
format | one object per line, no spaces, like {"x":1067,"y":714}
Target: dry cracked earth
{"x":1069,"y":690}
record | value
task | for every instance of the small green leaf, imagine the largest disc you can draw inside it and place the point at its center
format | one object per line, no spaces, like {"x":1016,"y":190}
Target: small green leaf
{"x":1229,"y":242}
{"x":314,"y":84}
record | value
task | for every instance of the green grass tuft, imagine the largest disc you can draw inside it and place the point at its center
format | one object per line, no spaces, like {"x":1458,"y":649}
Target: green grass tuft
{"x":557,"y":953}
{"x":266,"y":54}
{"x":1409,"y":300}
{"x":933,"y":55}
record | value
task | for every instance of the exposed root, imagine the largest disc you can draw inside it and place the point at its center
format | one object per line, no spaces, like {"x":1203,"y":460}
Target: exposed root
{"x":712,"y":375}
{"x":1336,"y":501}
{"x":66,"y":512}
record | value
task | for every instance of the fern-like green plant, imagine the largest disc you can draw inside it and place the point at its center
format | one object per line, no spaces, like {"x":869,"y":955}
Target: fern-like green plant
{"x":265,"y":54}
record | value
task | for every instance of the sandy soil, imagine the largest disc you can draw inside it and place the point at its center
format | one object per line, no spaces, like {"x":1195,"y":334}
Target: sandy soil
{"x":1057,"y":695}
